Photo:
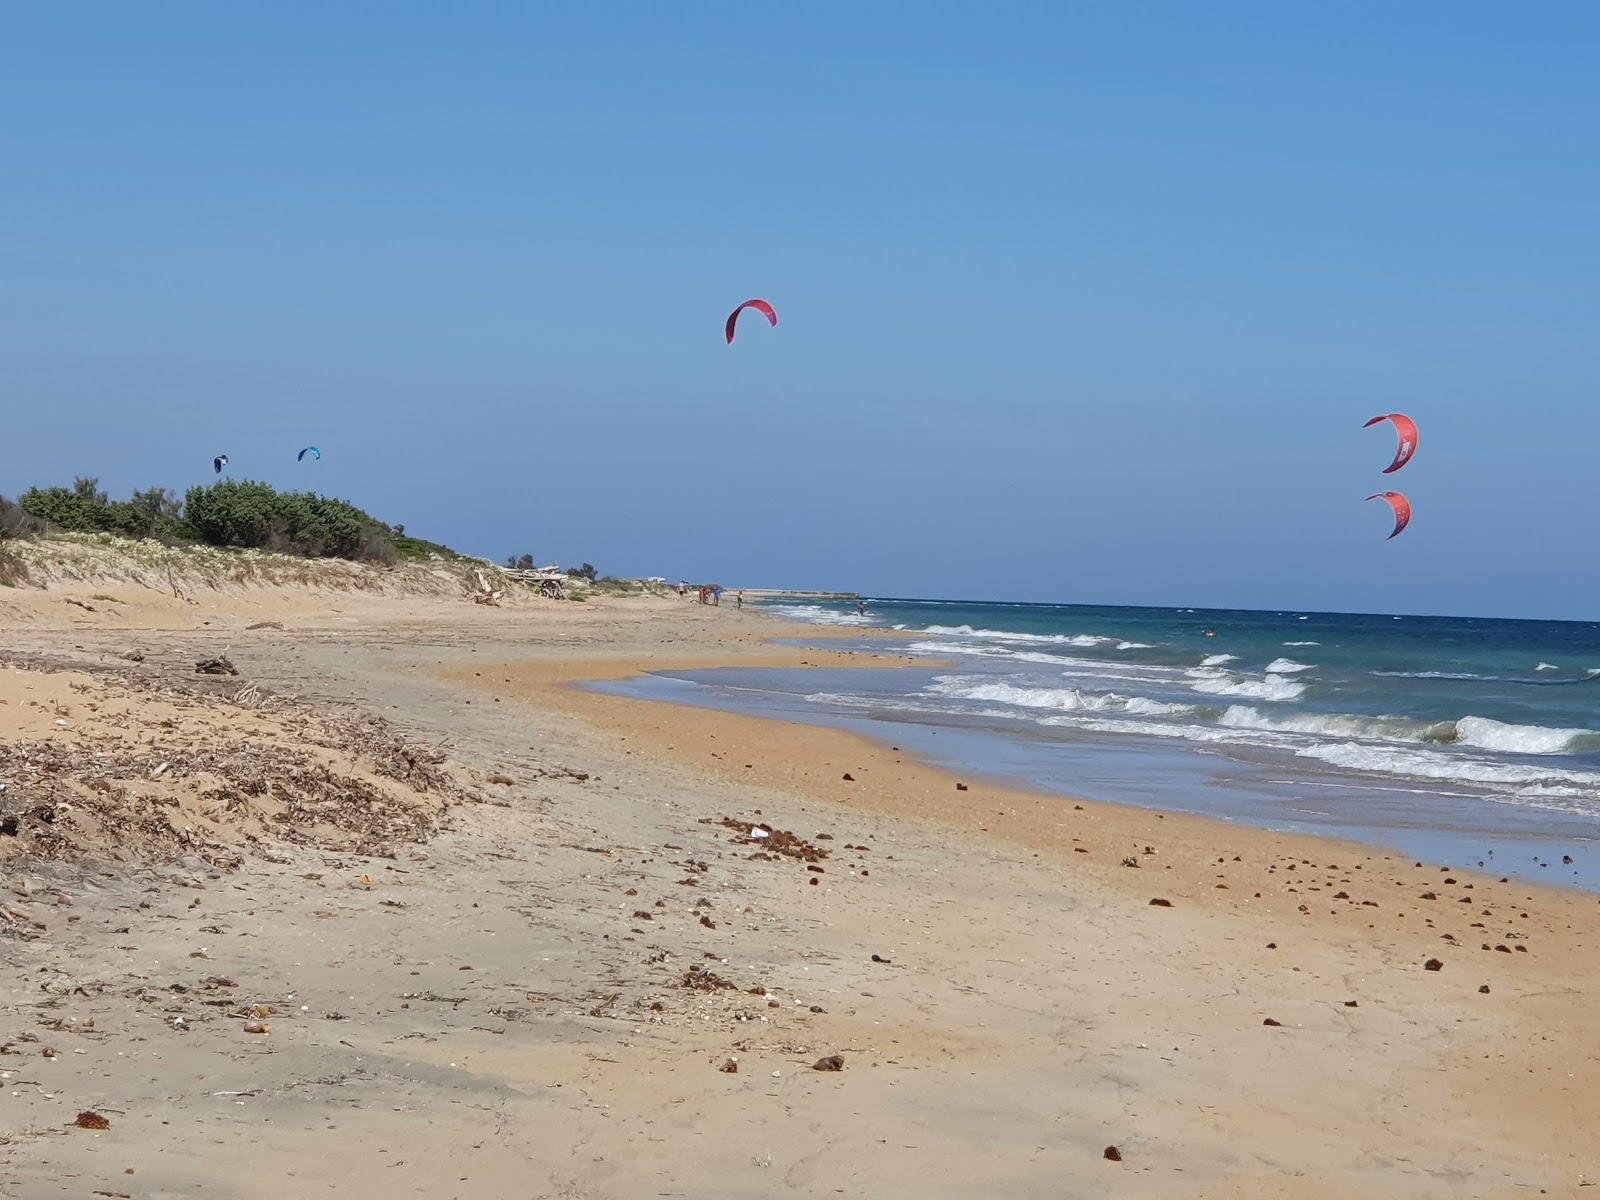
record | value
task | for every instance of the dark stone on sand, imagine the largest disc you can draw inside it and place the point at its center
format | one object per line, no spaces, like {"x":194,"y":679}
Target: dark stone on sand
{"x":817,"y":1008}
{"x":731,"y":1067}
{"x":1429,"y":896}
{"x":1433,"y":964}
{"x":831,"y":1062}
{"x":1352,"y":1004}
{"x":1484,"y":988}
{"x":1274,"y":1024}
{"x":961,"y":787}
{"x":1272,"y":945}
{"x":849,"y":777}
{"x":814,"y":881}
{"x":1112,"y":1154}
{"x":878,"y":958}
{"x":1158,"y":902}
{"x":1503,"y":948}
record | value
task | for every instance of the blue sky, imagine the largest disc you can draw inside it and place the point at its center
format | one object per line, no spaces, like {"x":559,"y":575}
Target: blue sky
{"x":1079,"y":303}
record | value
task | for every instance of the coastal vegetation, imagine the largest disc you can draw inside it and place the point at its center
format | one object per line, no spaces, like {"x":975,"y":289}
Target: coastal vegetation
{"x":229,"y":514}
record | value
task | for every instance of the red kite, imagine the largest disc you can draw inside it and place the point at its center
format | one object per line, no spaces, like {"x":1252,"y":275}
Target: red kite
{"x":1407,"y":429}
{"x":761,"y":306}
{"x":1401,"y":506}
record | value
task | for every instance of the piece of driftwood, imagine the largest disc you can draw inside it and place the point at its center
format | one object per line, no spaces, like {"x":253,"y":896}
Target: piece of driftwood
{"x":486,"y":594}
{"x":216,"y":666}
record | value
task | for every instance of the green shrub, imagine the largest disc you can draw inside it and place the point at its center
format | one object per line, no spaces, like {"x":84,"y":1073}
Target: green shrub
{"x":84,"y":508}
{"x":256,"y":516}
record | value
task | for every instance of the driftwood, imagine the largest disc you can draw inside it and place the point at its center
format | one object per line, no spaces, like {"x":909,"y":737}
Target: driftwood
{"x":486,"y":594}
{"x":547,"y":581}
{"x":216,"y":666}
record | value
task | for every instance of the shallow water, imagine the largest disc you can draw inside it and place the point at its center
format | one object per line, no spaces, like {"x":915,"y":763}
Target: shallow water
{"x":1453,"y":740}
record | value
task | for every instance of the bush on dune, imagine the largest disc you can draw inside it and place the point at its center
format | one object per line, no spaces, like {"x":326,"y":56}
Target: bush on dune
{"x":239,"y":515}
{"x":84,"y":508}
{"x":256,"y":516}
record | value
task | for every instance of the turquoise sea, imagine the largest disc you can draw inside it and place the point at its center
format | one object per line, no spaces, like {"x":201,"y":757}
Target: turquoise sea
{"x":1457,"y":739}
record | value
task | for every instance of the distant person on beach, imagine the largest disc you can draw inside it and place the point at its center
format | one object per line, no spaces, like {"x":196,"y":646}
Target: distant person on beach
{"x":716,"y":597}
{"x":738,"y":601}
{"x":861,"y":608}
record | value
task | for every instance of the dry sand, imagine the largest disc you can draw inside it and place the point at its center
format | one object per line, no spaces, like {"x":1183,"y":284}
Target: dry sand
{"x":506,"y":934}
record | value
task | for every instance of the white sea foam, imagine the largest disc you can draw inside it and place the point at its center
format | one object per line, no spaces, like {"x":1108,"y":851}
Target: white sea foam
{"x":1220,"y":683}
{"x":816,"y":614}
{"x":1544,"y":666}
{"x":1216,"y":660}
{"x":1286,"y":666}
{"x":1080,"y":640}
{"x":1430,"y":675}
{"x":1346,"y":725}
{"x":1432,"y":764}
{"x":1488,"y":734}
{"x":968,"y":687}
{"x":1302,"y":643}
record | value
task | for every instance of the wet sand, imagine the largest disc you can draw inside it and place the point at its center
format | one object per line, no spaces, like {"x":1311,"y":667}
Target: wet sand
{"x":531,"y":978}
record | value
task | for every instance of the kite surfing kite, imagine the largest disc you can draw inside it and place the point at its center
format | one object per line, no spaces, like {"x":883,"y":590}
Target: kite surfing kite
{"x":761,"y":306}
{"x":1401,"y":506}
{"x":219,"y":462}
{"x":311,"y":450}
{"x":1407,"y":429}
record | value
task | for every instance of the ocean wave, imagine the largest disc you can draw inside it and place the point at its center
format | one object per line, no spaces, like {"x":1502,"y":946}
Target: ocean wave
{"x":1431,"y":764}
{"x":1434,"y":675}
{"x":966,"y":687}
{"x":1487,"y":734}
{"x":1220,"y":683}
{"x":1343,"y":725}
{"x":1216,"y":660}
{"x":816,"y":614}
{"x":1082,"y":641}
{"x":1544,"y":666}
{"x":1480,"y":733}
{"x":1287,"y":666}
{"x":1302,"y":643}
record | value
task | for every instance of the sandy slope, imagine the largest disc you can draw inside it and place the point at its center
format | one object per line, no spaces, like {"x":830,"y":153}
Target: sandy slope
{"x":522,"y":1003}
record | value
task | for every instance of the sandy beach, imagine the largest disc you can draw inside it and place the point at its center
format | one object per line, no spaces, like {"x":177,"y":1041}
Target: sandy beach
{"x":402,"y":909}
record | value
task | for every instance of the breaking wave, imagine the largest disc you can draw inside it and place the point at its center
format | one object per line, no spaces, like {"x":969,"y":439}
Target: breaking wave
{"x":1219,"y":683}
{"x":967,"y":687}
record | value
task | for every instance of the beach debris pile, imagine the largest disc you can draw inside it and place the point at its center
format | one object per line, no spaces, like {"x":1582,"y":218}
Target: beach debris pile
{"x":334,"y":779}
{"x":773,"y":843}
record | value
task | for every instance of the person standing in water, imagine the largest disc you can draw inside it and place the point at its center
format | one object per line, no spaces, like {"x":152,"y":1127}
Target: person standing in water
{"x":861,"y":607}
